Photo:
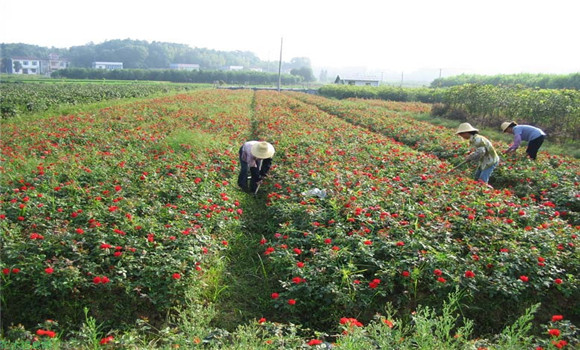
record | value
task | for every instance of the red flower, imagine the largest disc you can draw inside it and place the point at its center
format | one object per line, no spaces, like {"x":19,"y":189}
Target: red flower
{"x":106,"y":340}
{"x":176,"y":276}
{"x":557,"y":318}
{"x":314,"y":342}
{"x":374,"y":283}
{"x":97,"y":280}
{"x":48,"y":333}
{"x":554,"y":332}
{"x":262,"y":320}
{"x":49,"y":270}
{"x":524,"y":278}
{"x":441,"y":280}
{"x":469,"y":274}
{"x":297,"y":251}
{"x":275,"y":295}
{"x":437,"y":272}
{"x":291,"y":302}
{"x":558,"y":281}
{"x":405,"y":273}
{"x":400,"y":243}
{"x":300,"y":264}
{"x":6,"y":271}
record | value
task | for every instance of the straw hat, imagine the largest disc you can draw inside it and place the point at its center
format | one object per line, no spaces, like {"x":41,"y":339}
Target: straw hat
{"x":262,"y":150}
{"x":465,"y":127}
{"x":506,"y":125}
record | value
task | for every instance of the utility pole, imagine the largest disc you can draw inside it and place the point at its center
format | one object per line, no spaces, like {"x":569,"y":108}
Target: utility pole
{"x":280,"y":64}
{"x":402,"y":79}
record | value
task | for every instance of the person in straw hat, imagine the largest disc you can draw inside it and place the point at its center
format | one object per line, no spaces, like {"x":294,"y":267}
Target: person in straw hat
{"x":255,"y":156}
{"x":484,"y":151}
{"x":533,"y":135}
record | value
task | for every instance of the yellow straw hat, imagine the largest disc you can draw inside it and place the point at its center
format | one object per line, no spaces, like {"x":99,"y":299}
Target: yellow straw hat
{"x":465,"y":127}
{"x":506,"y":125}
{"x":263,"y":150}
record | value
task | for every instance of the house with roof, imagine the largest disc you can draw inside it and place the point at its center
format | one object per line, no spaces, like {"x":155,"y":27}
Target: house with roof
{"x":25,"y":65}
{"x":36,"y":66}
{"x":53,"y":63}
{"x":357,"y":81}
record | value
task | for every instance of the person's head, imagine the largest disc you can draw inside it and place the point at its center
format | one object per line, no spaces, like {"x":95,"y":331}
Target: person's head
{"x":465,"y":130}
{"x":508,"y":126}
{"x":262,"y":150}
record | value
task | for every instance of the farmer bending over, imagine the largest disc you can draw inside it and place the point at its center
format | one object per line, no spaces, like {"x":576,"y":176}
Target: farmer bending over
{"x":484,"y":151}
{"x":533,"y":135}
{"x":257,"y":156}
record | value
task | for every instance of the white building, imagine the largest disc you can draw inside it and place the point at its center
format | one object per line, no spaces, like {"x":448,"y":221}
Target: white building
{"x":25,"y":65}
{"x":184,"y":66}
{"x":233,"y":68}
{"x":107,"y":65}
{"x":364,"y":81}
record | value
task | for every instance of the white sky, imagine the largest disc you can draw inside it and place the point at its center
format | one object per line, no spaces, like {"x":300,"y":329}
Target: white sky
{"x":471,"y":36}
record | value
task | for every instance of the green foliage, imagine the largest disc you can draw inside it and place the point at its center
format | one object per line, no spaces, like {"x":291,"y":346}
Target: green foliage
{"x":382,"y":92}
{"x":18,"y":99}
{"x":540,"y":81}
{"x":172,"y":75}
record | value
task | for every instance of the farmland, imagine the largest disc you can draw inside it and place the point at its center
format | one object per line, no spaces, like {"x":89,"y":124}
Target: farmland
{"x":123,"y":227}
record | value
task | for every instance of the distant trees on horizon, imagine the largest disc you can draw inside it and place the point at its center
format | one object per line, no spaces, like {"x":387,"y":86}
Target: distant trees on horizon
{"x":141,"y":54}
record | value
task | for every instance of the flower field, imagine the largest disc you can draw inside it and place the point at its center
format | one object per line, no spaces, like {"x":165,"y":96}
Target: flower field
{"x":122,"y":211}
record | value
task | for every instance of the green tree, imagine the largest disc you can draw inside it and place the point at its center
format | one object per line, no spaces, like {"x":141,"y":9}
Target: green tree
{"x":17,"y":67}
{"x":304,"y":72}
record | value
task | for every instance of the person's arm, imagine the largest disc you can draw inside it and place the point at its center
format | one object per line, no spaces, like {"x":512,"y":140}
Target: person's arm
{"x":266,"y":164}
{"x":477,"y":154}
{"x":516,"y":144}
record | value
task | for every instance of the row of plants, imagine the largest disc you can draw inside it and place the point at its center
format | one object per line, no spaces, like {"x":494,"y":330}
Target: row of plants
{"x":541,"y":81}
{"x":556,"y":111}
{"x":181,"y":76}
{"x":391,"y":93}
{"x":18,"y":99}
{"x":393,"y":228}
{"x":553,"y":179}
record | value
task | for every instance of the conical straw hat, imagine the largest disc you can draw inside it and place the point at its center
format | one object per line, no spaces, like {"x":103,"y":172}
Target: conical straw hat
{"x":263,"y":150}
{"x":506,"y":125}
{"x":465,"y":127}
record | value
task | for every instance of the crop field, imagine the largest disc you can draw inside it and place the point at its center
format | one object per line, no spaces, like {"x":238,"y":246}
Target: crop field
{"x":124,"y":228}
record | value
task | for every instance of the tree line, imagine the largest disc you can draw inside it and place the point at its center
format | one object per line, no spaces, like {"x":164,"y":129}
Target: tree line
{"x":181,"y":76}
{"x":141,"y":54}
{"x":540,"y":81}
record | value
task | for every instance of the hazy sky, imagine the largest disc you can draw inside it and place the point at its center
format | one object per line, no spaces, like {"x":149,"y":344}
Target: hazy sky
{"x":472,"y":36}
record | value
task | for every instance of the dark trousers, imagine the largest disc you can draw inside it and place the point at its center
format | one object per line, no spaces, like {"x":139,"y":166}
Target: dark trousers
{"x":534,"y":146}
{"x":243,"y":175}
